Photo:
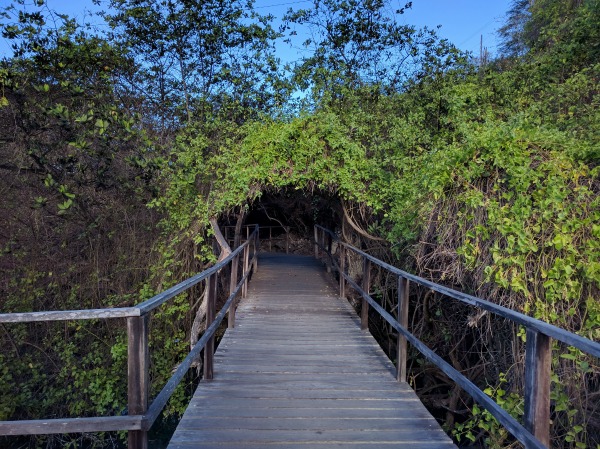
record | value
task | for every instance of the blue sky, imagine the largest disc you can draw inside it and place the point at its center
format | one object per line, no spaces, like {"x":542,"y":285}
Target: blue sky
{"x":462,"y":21}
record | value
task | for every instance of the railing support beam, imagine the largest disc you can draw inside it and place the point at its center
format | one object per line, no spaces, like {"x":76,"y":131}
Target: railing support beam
{"x":287,"y":239}
{"x":232,"y":284}
{"x":366,"y":281}
{"x":138,"y":359}
{"x":538,"y":358}
{"x":255,"y":246}
{"x":401,"y":356}
{"x":328,"y":256}
{"x":209,"y":350}
{"x":245,"y":270}
{"x":342,"y":271}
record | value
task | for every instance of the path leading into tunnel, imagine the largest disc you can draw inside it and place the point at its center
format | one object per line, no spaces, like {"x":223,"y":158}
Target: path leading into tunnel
{"x":297,"y":372}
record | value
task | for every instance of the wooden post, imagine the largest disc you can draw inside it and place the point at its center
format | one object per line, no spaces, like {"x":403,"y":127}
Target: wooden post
{"x":270,"y":237}
{"x":342,"y":271}
{"x":538,"y":357}
{"x":364,"y":312}
{"x":316,"y":232}
{"x":138,"y":360}
{"x":209,"y":349}
{"x":287,"y":239}
{"x":245,"y":270}
{"x":255,"y":254}
{"x":232,"y":285}
{"x":403,"y":286}
{"x":328,"y":255}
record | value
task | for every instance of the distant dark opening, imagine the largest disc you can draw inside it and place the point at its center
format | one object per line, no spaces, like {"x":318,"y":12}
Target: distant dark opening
{"x":295,"y":210}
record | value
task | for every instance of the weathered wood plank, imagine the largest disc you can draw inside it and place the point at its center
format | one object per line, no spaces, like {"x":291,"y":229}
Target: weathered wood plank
{"x":402,"y":355}
{"x":71,"y":425}
{"x":201,"y":412}
{"x":293,"y":423}
{"x":138,"y":362}
{"x":326,"y":445}
{"x":538,"y":360}
{"x":296,"y":371}
{"x":244,"y":436}
{"x":66,"y":315}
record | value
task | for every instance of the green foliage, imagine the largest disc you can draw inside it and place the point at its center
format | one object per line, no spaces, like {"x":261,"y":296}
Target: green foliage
{"x":482,"y":420}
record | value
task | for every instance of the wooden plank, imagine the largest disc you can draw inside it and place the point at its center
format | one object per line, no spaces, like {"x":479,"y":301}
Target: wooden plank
{"x":199,"y":412}
{"x":71,"y":425}
{"x":65,"y":315}
{"x":324,"y":445}
{"x":387,"y":395}
{"x":245,"y":436}
{"x":294,"y":423}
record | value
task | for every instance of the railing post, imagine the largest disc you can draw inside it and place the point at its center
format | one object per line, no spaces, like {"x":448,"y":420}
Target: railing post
{"x":401,"y":356}
{"x":137,"y":376}
{"x":245,"y":270}
{"x":209,"y":349}
{"x":342,"y":270}
{"x":255,"y":254}
{"x":232,"y":284}
{"x":364,"y":312}
{"x":328,"y":257}
{"x":316,"y":232}
{"x":287,"y":239}
{"x":538,"y":357}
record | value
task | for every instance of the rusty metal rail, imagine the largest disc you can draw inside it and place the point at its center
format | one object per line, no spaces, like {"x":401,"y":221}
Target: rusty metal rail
{"x":534,"y":432}
{"x":142,"y":415}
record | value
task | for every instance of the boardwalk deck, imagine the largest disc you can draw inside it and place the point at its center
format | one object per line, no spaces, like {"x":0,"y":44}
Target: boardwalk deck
{"x":297,"y":372}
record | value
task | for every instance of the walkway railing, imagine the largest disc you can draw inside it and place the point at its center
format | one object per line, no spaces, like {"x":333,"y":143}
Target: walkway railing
{"x":268,"y":236}
{"x":141,"y":415}
{"x":534,"y":433}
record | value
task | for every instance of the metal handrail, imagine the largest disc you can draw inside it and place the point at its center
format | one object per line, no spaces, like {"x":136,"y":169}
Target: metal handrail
{"x":535,"y":432}
{"x":142,"y":416}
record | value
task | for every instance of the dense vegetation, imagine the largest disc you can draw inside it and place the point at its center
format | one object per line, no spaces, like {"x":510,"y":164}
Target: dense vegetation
{"x":118,"y":148}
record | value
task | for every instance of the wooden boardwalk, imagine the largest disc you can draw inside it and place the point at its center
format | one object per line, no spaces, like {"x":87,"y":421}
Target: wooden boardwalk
{"x":297,"y":372}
